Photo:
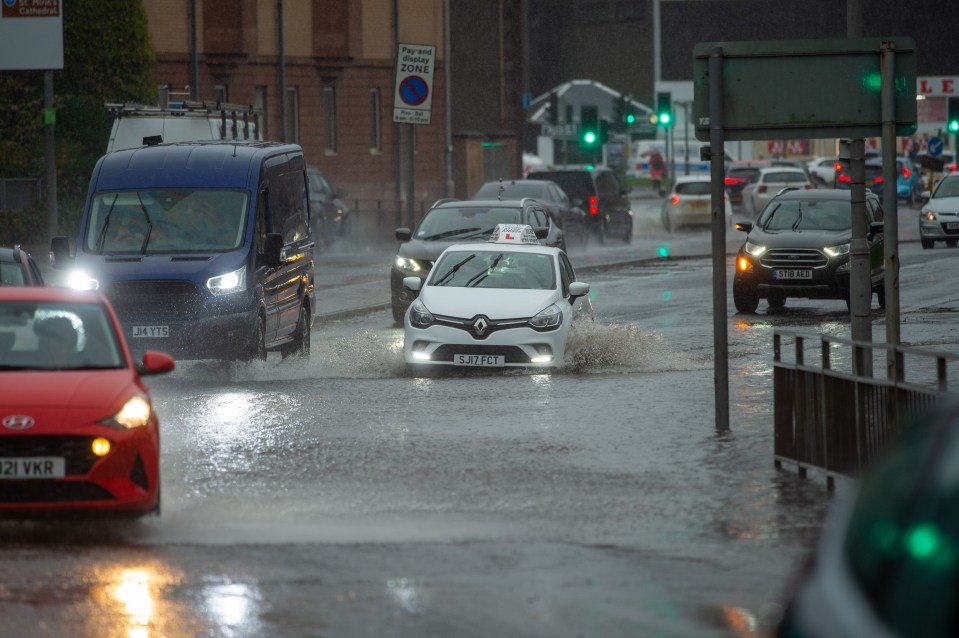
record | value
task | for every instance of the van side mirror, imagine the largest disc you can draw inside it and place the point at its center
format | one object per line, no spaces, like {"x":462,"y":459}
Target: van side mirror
{"x":403,"y":234}
{"x":60,"y":257}
{"x":272,"y":249}
{"x":874,"y":229}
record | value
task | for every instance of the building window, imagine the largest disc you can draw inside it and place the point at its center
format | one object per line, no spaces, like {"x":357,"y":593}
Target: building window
{"x":329,"y":113}
{"x":259,"y":105}
{"x":221,"y":93}
{"x":376,"y":137}
{"x":163,"y":93}
{"x":293,"y":115}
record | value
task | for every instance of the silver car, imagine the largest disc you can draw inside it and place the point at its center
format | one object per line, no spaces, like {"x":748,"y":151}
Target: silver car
{"x":939,"y":217}
{"x":771,"y":180}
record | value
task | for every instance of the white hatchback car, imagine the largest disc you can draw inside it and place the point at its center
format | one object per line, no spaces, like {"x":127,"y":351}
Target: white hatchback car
{"x":508,"y":302}
{"x":689,"y":204}
{"x":771,"y":180}
{"x":939,"y":217}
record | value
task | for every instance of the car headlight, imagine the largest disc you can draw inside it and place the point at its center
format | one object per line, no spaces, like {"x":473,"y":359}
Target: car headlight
{"x":81,"y":281}
{"x":547,"y":319}
{"x":754,"y":249}
{"x":408,"y":264}
{"x":229,"y":283}
{"x":420,"y":316}
{"x":837,"y":251}
{"x":135,"y":413}
{"x":928,"y":215}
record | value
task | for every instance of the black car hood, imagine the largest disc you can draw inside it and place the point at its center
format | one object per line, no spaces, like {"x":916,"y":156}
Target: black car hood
{"x":429,"y":250}
{"x":799,"y":238}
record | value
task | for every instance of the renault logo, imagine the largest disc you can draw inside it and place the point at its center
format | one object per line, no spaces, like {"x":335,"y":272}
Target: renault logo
{"x":480,"y":325}
{"x":18,"y":422}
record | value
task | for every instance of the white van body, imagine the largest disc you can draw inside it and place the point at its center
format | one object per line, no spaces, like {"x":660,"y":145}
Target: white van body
{"x":137,"y":125}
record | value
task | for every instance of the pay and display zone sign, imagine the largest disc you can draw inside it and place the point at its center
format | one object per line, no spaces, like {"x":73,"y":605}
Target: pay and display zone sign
{"x":413,"y":96}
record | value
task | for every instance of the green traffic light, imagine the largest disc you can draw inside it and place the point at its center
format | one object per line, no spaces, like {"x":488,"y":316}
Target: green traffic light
{"x":630,"y":118}
{"x":589,"y":137}
{"x":954,"y":126}
{"x":664,"y":119}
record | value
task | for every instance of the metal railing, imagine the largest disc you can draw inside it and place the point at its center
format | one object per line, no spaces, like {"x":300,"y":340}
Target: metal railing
{"x":833,"y":415}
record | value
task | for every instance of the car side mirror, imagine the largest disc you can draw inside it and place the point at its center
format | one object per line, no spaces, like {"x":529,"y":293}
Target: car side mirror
{"x":925,"y":195}
{"x":413,"y":283}
{"x":60,"y":253}
{"x":541,"y":232}
{"x":744,"y":226}
{"x":272,"y":250}
{"x":874,"y":229}
{"x":577,"y":289}
{"x":155,"y":362}
{"x":403,"y":234}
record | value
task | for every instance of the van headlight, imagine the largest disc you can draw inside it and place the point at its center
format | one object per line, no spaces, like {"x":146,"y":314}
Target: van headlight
{"x":548,"y":319}
{"x":82,"y":281}
{"x":229,"y":283}
{"x":837,"y":251}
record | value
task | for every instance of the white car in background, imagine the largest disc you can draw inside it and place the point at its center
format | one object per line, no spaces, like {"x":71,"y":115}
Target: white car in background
{"x":688,"y":204}
{"x":823,"y":170}
{"x":768,"y":184}
{"x":939,"y":217}
{"x":508,"y":302}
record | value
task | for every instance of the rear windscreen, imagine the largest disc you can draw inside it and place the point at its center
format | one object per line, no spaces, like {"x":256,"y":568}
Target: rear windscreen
{"x":576,"y":185}
{"x":693,"y":188}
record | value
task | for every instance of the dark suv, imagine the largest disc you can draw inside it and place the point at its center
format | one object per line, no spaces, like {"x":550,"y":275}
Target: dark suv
{"x":799,"y":247}
{"x":330,"y":215}
{"x":601,"y":194}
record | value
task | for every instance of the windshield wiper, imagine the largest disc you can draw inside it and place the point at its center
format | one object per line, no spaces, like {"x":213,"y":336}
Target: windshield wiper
{"x":480,"y":276}
{"x":798,"y":219}
{"x":452,"y":233}
{"x":482,"y":233}
{"x":106,"y":222}
{"x":146,"y":238}
{"x":452,"y":271}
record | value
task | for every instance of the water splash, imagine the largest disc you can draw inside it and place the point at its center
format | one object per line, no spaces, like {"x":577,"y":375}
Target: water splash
{"x":595,"y":348}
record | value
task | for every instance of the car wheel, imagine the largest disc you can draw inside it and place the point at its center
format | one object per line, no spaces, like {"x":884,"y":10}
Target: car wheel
{"x":745,"y":297}
{"x":628,"y":234}
{"x":951,"y":243}
{"x":398,"y":311}
{"x":256,"y":349}
{"x":301,"y":337}
{"x":881,"y":296}
{"x":927,"y":243}
{"x":776,"y":300}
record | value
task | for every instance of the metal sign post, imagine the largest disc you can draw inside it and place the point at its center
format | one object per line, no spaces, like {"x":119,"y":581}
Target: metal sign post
{"x":412,"y":102}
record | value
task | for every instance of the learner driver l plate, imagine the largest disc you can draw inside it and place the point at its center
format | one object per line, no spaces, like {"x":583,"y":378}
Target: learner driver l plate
{"x":482,"y":360}
{"x":792,"y":274}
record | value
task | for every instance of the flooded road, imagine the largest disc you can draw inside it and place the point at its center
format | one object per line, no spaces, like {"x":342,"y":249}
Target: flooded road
{"x":340,"y":495}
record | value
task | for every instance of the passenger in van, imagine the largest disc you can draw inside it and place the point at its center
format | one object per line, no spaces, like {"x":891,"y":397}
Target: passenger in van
{"x":199,"y":221}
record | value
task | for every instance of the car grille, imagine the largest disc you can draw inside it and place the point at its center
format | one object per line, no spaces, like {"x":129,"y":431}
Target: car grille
{"x":793,"y":258}
{"x":44,"y":491}
{"x":155,"y":300}
{"x":510,"y":354}
{"x":489,"y":326}
{"x":78,"y":457}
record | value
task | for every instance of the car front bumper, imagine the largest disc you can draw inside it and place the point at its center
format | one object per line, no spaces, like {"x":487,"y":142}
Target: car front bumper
{"x":521,"y":347}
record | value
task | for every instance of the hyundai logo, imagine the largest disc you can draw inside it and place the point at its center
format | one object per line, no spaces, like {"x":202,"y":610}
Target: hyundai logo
{"x":480,"y":325}
{"x":18,"y":422}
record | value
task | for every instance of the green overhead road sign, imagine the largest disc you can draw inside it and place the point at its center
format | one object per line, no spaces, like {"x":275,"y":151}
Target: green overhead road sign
{"x":786,"y":89}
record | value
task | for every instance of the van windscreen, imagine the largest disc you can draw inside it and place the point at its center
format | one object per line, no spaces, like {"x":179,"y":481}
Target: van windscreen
{"x":166,"y":221}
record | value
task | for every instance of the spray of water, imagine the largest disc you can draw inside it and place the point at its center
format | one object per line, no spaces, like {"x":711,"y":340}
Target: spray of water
{"x":597,"y":348}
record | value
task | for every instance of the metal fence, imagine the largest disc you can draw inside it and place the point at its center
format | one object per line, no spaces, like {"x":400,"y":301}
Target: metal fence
{"x":832,"y":414}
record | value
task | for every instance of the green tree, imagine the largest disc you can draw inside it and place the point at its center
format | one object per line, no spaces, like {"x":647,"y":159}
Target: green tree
{"x":107,"y":57}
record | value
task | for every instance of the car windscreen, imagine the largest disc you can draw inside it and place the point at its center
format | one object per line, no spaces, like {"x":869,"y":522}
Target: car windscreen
{"x":510,"y":190}
{"x":465,"y":222}
{"x":693,"y":188}
{"x":577,"y":185}
{"x":166,"y":221}
{"x":494,"y":269}
{"x":56,"y":336}
{"x":947,"y":188}
{"x":806,"y":215}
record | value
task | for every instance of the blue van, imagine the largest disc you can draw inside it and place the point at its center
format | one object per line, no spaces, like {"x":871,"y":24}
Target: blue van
{"x":204,"y":249}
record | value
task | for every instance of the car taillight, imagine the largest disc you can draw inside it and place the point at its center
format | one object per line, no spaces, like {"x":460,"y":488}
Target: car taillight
{"x":593,"y":208}
{"x":845,"y":179}
{"x":761,"y":188}
{"x":951,"y":168}
{"x":732,"y":181}
{"x":878,"y":180}
{"x":838,"y":166}
{"x":906,"y":173}
{"x":674,"y":200}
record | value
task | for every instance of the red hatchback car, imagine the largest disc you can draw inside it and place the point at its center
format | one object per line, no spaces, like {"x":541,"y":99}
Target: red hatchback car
{"x":78,"y":433}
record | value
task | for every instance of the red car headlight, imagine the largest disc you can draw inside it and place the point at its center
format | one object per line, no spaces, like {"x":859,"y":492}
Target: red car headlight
{"x":135,"y":413}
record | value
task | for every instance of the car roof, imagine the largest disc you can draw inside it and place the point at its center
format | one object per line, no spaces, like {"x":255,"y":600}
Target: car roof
{"x":503,"y":248}
{"x":692,"y":178}
{"x":782,"y":168}
{"x":7,"y":254}
{"x":49,"y":293}
{"x":818,"y":194}
{"x":483,"y":203}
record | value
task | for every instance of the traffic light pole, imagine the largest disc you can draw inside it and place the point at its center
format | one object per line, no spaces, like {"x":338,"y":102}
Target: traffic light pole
{"x":717,"y":173}
{"x":890,"y":205}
